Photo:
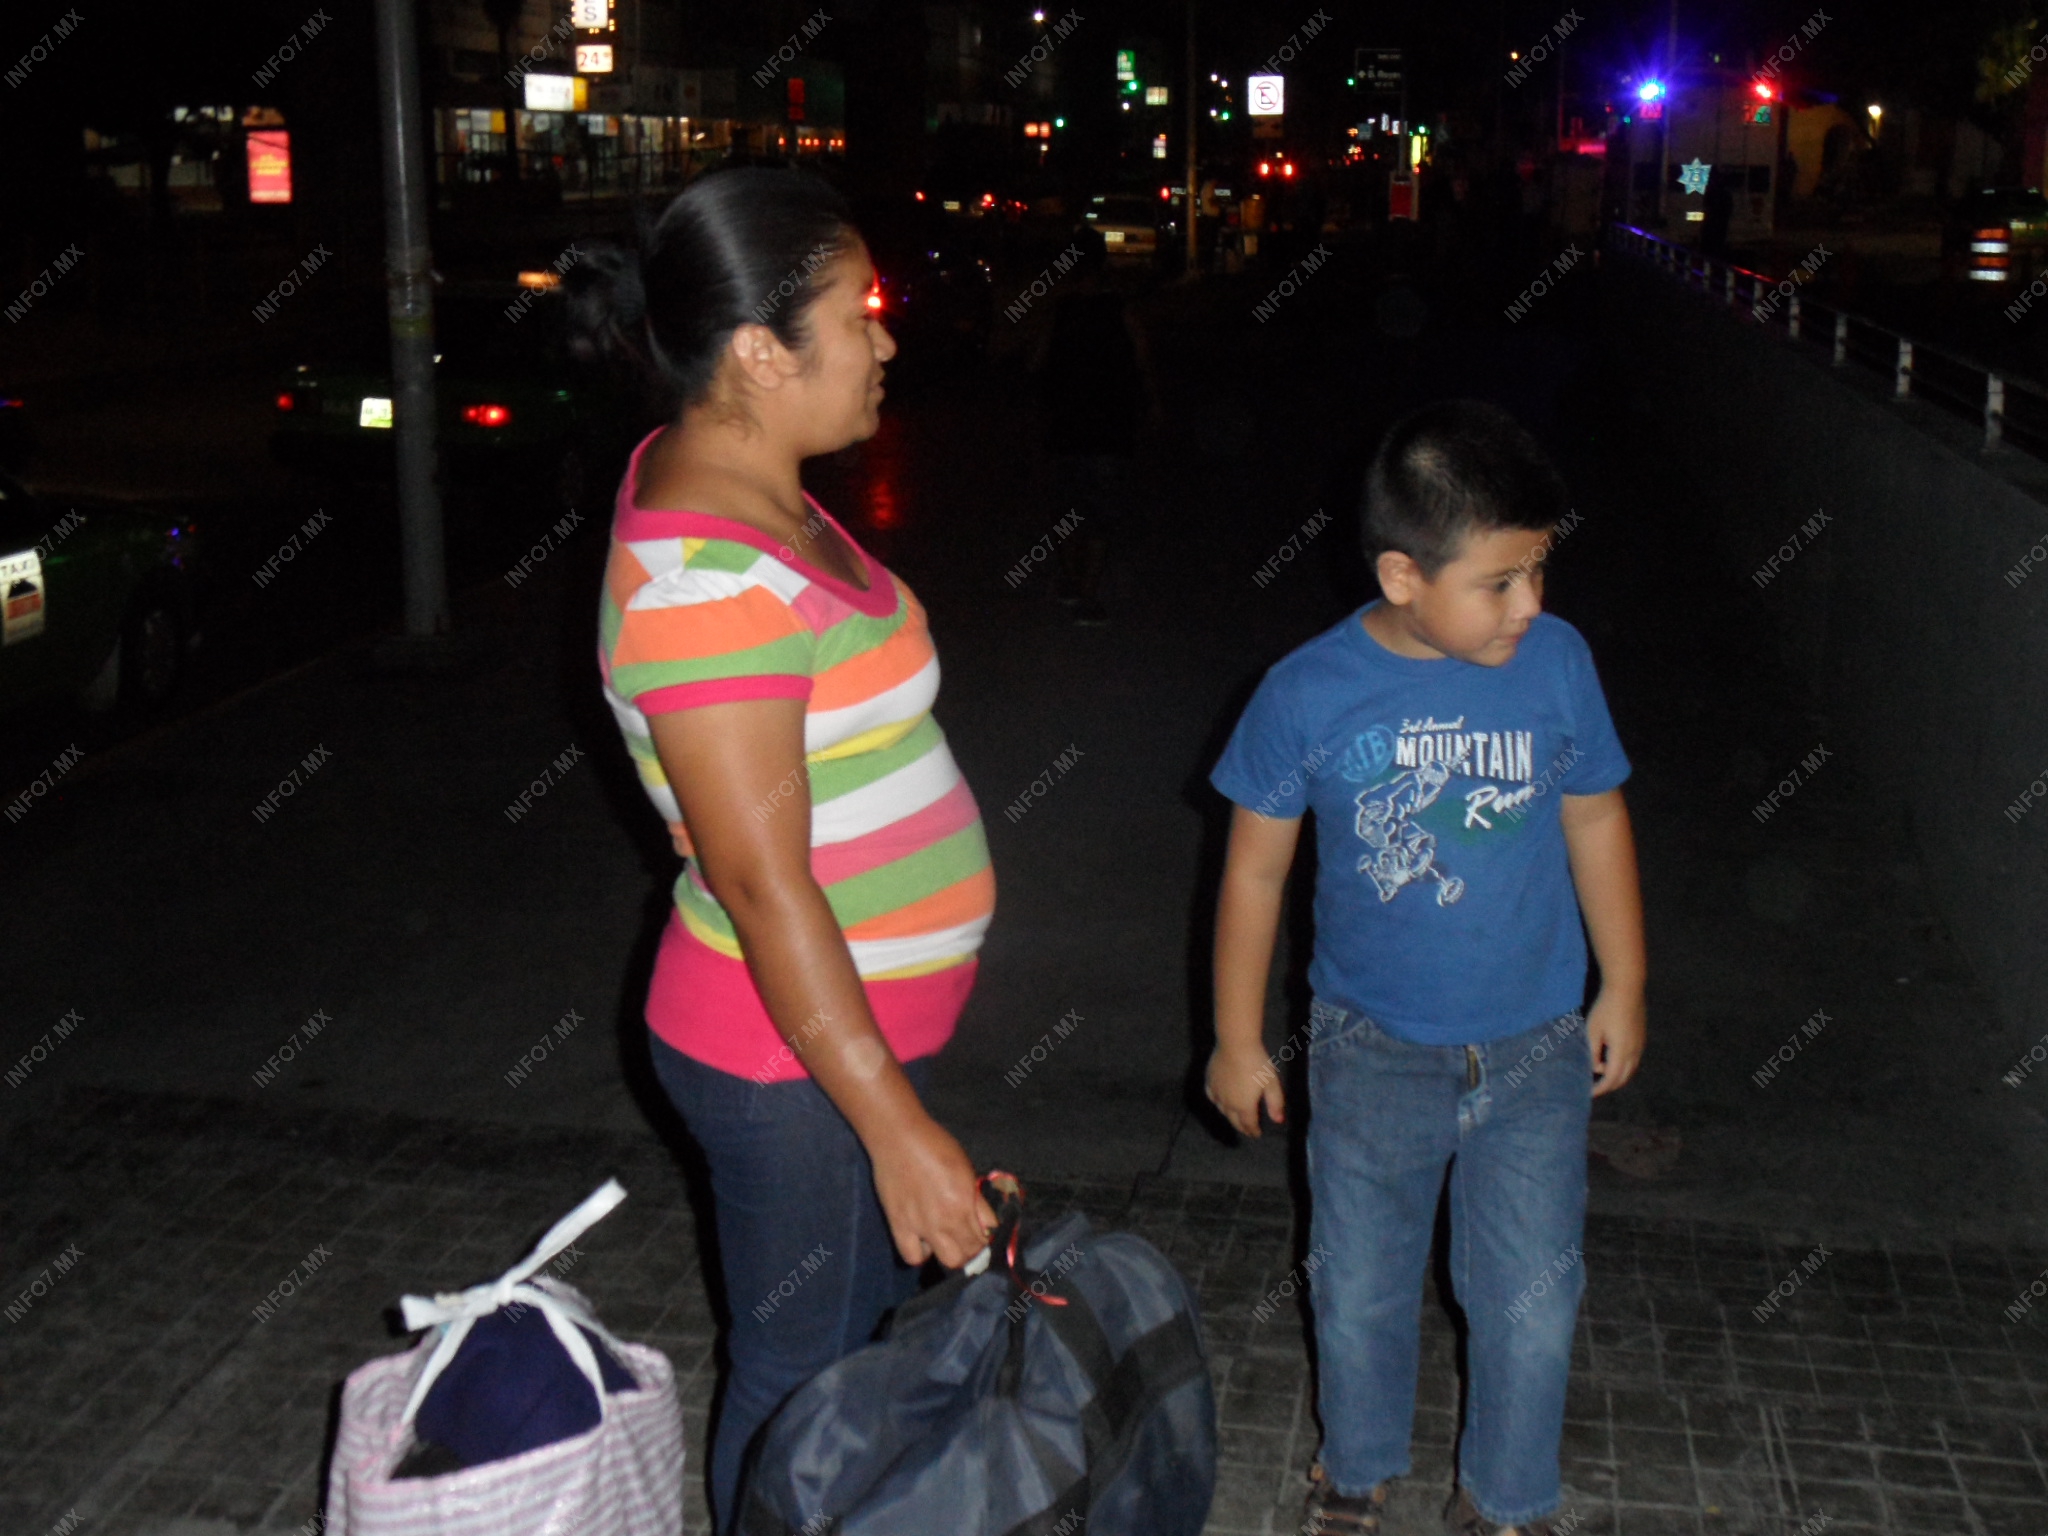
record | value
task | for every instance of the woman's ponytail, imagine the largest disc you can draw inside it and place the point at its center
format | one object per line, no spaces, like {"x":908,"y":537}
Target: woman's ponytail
{"x":736,"y":247}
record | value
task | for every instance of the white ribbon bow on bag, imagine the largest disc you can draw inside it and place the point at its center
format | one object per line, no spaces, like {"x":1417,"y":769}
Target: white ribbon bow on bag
{"x":456,"y":1311}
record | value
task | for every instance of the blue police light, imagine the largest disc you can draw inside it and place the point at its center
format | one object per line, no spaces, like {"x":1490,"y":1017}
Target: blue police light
{"x":1650,"y":90}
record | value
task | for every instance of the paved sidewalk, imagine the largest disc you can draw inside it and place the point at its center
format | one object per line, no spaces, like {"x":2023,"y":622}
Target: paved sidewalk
{"x":146,"y":1393}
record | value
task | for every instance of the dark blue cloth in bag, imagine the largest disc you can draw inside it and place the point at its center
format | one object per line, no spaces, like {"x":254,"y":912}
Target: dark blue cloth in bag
{"x":510,"y":1388}
{"x":1065,"y":1389}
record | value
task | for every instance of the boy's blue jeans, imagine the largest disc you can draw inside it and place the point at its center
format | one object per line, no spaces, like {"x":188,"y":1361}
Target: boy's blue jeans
{"x":1509,"y":1117}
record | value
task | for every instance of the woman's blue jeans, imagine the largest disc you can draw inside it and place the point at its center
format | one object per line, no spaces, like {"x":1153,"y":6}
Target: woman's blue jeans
{"x":810,"y":1269}
{"x":1509,"y":1118}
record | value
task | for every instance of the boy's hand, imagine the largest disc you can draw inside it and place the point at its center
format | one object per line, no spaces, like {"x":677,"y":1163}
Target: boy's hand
{"x":1616,"y":1030}
{"x":1242,"y":1079}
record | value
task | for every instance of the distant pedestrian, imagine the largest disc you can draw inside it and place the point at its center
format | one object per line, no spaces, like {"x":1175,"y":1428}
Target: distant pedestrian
{"x":775,"y":684}
{"x":1717,"y":208}
{"x":1095,"y":390}
{"x":1454,"y":744}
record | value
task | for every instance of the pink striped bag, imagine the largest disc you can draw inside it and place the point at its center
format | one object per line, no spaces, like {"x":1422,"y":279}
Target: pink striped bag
{"x":622,"y":1478}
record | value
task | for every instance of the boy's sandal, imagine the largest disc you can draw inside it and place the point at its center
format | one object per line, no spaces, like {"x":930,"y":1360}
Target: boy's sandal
{"x":1462,"y":1518}
{"x":1330,"y":1513}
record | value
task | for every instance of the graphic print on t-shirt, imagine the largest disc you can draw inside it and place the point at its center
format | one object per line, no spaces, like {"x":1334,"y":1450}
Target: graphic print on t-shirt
{"x":1424,"y":756}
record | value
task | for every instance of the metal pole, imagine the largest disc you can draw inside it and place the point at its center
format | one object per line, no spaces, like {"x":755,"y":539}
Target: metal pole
{"x":1670,"y":94}
{"x":408,"y":277}
{"x":1194,"y":161}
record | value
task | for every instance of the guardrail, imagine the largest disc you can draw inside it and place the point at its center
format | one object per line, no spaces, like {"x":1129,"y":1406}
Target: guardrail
{"x":566,"y":175}
{"x":2010,"y":412}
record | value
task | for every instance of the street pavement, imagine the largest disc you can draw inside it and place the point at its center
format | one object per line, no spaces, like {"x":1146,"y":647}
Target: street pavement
{"x":302,"y":938}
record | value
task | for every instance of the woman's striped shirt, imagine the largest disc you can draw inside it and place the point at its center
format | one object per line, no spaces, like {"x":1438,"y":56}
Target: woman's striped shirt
{"x":701,"y":609}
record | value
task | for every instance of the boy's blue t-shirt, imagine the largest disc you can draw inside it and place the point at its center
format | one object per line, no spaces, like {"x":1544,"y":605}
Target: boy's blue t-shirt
{"x":1445,"y":910}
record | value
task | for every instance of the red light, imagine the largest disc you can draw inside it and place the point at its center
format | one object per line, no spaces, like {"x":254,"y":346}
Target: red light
{"x":875,"y":298}
{"x":486,"y":415}
{"x":1166,"y":194}
{"x":920,"y":197}
{"x":1265,"y":167}
{"x":1763,"y":90}
{"x":1287,"y":170}
{"x":988,"y":199}
{"x":285,"y":401}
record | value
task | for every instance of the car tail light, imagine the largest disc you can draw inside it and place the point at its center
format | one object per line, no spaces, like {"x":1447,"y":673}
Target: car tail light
{"x":287,"y":401}
{"x":486,"y":415}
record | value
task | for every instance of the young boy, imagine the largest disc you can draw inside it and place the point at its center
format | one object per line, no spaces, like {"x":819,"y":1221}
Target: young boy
{"x":1454,"y":744}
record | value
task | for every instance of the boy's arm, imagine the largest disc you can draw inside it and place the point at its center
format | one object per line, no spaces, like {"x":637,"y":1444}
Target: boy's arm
{"x":1247,"y":920}
{"x":1602,"y":849}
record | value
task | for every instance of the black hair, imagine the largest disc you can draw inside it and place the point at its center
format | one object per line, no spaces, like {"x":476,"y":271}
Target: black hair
{"x":736,"y":247}
{"x":1451,"y":470}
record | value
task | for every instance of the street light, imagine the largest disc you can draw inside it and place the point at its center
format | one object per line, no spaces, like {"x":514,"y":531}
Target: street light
{"x":1876,"y":118}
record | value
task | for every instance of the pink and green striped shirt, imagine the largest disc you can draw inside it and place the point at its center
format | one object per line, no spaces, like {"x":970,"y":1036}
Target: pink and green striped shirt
{"x":700,"y":609}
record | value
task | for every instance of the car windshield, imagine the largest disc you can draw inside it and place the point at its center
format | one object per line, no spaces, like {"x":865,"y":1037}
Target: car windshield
{"x":477,"y":331}
{"x":2027,"y":205}
{"x":1125,"y":210}
{"x":473,"y":332}
{"x":21,"y":521}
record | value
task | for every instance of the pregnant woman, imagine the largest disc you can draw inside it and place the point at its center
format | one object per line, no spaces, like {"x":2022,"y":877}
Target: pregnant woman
{"x":775,"y":684}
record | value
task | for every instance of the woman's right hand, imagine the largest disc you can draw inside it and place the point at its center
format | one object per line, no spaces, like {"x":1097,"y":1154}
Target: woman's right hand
{"x":930,"y":1194}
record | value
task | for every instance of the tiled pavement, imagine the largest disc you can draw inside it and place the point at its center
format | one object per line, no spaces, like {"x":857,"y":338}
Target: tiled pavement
{"x":140,"y":1390}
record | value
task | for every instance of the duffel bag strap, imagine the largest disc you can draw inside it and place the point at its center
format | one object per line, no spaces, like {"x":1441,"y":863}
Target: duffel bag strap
{"x":1005,"y":1191}
{"x":1126,"y":1391}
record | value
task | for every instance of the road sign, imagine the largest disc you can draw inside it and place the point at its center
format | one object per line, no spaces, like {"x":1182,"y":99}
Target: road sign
{"x":1267,"y":95}
{"x":1379,"y":71}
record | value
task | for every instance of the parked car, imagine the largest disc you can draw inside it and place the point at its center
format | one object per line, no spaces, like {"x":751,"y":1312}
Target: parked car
{"x":96,"y":600}
{"x":1130,"y":224}
{"x":1996,"y":236}
{"x":515,"y":411}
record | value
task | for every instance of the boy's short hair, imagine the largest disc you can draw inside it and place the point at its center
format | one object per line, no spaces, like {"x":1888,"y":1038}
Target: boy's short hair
{"x":1451,"y":470}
